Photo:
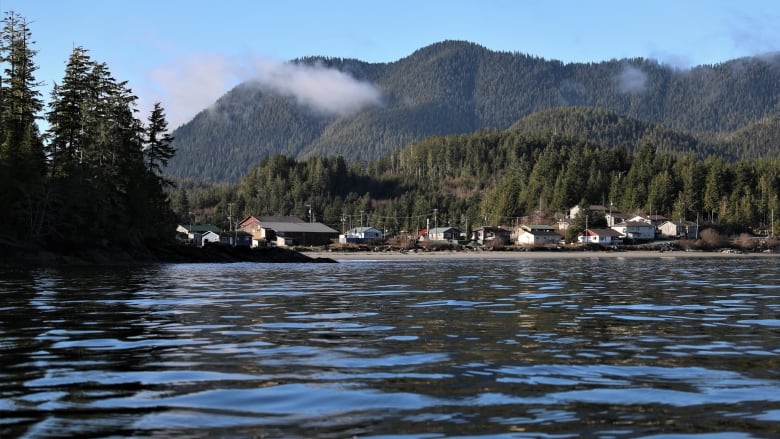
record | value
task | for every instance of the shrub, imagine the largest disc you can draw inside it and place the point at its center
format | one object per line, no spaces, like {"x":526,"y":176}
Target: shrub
{"x":712,"y":239}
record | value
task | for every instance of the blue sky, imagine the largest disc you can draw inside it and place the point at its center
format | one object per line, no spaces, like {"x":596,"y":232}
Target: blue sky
{"x":187,"y":53}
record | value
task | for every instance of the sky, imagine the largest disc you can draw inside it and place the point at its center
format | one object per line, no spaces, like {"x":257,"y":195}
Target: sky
{"x":185,"y":54}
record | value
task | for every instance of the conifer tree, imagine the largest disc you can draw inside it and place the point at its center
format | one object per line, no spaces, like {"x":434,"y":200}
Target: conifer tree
{"x":22,"y":160}
{"x":158,"y":143}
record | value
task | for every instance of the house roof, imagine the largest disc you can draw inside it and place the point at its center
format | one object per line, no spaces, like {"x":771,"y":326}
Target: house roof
{"x":200,"y":228}
{"x":297,"y":227}
{"x":541,"y":233}
{"x":537,"y":227}
{"x":633,"y":224}
{"x":651,"y":217}
{"x":603,"y":232}
{"x":279,"y":219}
{"x":363,"y":229}
{"x":443,"y":229}
{"x":680,"y":223}
{"x":492,"y":229}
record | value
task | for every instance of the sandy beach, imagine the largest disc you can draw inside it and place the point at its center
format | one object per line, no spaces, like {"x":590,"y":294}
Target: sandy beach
{"x":455,"y":255}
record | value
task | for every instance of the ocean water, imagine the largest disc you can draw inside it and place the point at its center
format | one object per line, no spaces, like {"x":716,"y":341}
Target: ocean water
{"x":547,"y":348}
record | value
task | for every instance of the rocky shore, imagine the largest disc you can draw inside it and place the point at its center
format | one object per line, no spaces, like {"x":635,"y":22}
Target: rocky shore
{"x":22,"y":254}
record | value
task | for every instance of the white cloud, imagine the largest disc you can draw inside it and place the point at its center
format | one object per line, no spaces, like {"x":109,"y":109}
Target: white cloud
{"x":188,"y":86}
{"x":631,"y":79}
{"x":323,"y":89}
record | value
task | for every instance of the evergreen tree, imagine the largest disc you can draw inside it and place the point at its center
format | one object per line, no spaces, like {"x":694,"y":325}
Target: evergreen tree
{"x":158,"y":148}
{"x":22,"y":160}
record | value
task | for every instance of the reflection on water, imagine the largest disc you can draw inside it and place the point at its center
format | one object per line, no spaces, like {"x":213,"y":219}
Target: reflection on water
{"x":499,"y":348}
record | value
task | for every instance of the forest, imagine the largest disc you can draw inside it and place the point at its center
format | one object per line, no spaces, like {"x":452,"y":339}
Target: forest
{"x":496,"y":177}
{"x":456,"y":87}
{"x":95,"y":177}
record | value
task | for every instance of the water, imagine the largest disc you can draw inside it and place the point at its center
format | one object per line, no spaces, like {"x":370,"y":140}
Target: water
{"x":612,"y":348}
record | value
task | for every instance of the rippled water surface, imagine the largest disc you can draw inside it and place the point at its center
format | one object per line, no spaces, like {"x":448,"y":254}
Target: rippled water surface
{"x":613,"y":348}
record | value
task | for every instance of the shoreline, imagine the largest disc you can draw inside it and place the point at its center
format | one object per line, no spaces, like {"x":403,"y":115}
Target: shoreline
{"x":460,"y":255}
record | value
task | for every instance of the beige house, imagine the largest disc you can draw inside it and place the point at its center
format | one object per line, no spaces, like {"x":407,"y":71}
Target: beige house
{"x":538,"y":237}
{"x":286,"y":230}
{"x":679,"y":230}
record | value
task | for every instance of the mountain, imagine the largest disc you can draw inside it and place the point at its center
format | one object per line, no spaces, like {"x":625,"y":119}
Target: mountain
{"x":456,"y":87}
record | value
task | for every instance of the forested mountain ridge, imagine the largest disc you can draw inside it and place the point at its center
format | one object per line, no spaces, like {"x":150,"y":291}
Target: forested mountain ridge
{"x":457,"y":87}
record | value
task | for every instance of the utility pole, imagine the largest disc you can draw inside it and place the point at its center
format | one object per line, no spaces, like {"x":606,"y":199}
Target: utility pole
{"x":230,"y":223}
{"x":230,"y":217}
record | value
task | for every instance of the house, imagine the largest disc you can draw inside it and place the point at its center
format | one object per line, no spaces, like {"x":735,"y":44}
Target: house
{"x":236,"y":238}
{"x":445,"y":234}
{"x":292,"y":230}
{"x":603,"y":237}
{"x":491,"y":234}
{"x":538,"y":237}
{"x":361,"y":235}
{"x":210,"y":237}
{"x":193,"y":233}
{"x":635,"y":230}
{"x":679,"y":230}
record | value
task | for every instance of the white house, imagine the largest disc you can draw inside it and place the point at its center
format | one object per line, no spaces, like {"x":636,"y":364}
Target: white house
{"x":603,"y":237}
{"x":210,"y":237}
{"x":361,"y":234}
{"x":193,"y":233}
{"x":635,"y":230}
{"x":679,"y":230}
{"x":538,"y":237}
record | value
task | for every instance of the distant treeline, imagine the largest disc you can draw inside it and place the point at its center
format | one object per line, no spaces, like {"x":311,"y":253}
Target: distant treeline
{"x":496,"y":177}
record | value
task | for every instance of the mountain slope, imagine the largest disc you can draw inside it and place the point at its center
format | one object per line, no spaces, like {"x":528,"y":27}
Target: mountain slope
{"x":457,"y":87}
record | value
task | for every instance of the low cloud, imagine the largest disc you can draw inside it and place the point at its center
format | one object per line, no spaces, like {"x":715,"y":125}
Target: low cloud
{"x":631,"y":79}
{"x":326,"y":90}
{"x":187,"y":86}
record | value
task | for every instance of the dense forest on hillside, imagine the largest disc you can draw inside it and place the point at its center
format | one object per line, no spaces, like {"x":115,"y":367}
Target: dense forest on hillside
{"x":97,"y":180}
{"x":497,"y":177}
{"x":456,"y":87}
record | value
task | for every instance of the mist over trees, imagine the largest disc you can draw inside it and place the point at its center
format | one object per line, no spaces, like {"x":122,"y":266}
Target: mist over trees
{"x":457,"y":87}
{"x":95,"y":176}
